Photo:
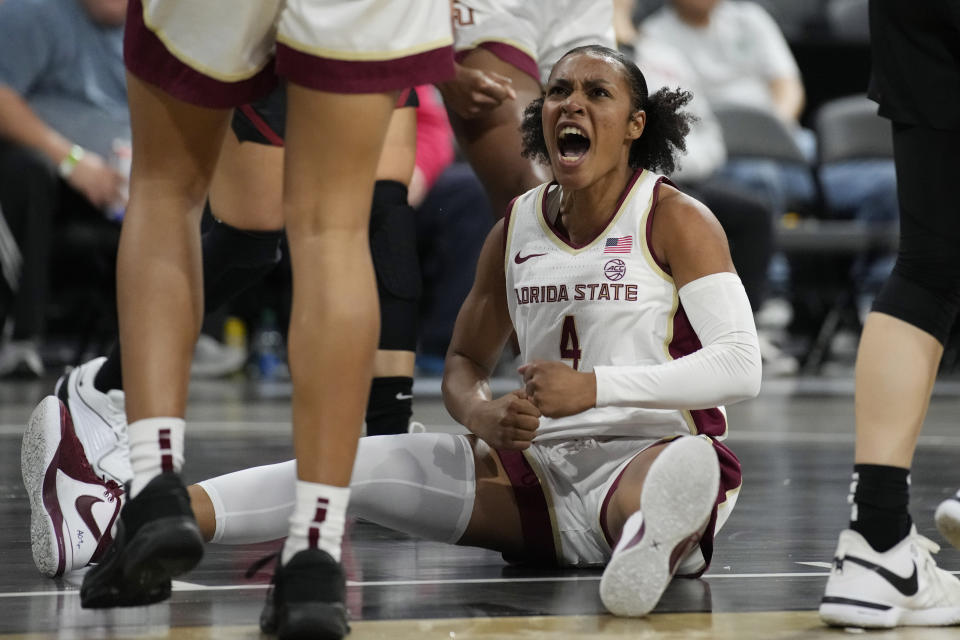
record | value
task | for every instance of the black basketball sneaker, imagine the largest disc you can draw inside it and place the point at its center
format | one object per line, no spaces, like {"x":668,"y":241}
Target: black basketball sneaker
{"x":307,"y":599}
{"x":157,"y":538}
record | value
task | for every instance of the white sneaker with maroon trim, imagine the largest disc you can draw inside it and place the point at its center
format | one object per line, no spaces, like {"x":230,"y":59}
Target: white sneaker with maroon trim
{"x":678,"y":497}
{"x":99,"y":420}
{"x":72,"y":509}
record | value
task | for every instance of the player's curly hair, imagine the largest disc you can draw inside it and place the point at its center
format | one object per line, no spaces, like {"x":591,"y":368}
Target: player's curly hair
{"x":663,"y":136}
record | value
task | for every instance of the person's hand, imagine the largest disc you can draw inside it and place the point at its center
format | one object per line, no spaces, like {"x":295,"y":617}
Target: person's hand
{"x":509,"y":422}
{"x":98,"y":182}
{"x":474,"y":92}
{"x":557,"y":390}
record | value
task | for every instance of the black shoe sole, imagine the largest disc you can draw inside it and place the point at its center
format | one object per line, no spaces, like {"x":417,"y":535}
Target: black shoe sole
{"x":313,"y":621}
{"x":138,"y":572}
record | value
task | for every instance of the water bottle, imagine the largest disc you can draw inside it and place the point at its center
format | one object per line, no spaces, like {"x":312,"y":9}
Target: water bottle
{"x":268,"y":347}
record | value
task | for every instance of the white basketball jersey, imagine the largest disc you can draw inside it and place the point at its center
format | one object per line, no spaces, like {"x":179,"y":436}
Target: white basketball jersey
{"x":608,"y":302}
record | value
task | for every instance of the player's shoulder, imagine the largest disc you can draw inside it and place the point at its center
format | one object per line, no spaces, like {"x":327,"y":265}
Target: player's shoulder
{"x":674,"y":207}
{"x":528,"y":199}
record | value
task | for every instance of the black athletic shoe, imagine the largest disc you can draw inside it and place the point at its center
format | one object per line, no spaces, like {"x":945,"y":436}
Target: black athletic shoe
{"x":157,"y":539}
{"x":306,"y":600}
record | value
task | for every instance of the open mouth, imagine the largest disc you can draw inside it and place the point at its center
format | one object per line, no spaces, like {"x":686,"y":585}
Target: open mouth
{"x":572,"y":144}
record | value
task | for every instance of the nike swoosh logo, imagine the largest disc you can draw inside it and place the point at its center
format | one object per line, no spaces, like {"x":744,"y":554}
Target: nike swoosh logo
{"x":520,"y":260}
{"x":906,"y":586}
{"x":404,"y":396}
{"x":84,"y":505}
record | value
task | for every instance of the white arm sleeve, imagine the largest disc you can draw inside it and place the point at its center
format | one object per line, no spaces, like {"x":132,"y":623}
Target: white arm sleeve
{"x":725,"y":370}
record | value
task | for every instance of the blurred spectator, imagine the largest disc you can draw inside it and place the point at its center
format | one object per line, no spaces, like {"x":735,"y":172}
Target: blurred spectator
{"x":434,"y":144}
{"x":741,"y":58}
{"x":747,"y":221}
{"x":63,"y":104}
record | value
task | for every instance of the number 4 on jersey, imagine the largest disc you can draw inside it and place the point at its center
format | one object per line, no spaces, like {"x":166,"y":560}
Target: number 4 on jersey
{"x":569,"y":342}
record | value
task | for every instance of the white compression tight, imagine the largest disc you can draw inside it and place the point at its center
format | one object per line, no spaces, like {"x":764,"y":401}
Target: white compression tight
{"x":422,"y":484}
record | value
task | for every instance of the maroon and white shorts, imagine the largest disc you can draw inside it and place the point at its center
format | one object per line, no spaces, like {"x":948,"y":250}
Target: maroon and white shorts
{"x":225,"y":53}
{"x":563,"y":488}
{"x":530,"y":35}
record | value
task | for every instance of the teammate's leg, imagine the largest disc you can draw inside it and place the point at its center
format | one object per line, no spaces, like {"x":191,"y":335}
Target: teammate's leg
{"x":393,"y":246}
{"x":175,"y":147}
{"x":333,"y":143}
{"x":490,"y":141}
{"x":897,"y":361}
{"x":242,"y":245}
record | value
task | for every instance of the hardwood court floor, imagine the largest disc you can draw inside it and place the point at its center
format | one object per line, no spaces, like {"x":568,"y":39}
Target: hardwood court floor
{"x":795,"y":442}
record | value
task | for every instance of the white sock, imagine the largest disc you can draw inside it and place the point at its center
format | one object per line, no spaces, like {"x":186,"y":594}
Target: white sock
{"x":318,"y":519}
{"x":156,"y":446}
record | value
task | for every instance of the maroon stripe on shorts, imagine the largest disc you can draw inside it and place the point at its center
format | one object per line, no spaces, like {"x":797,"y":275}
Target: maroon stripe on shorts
{"x":532,"y":505}
{"x":730,"y":479}
{"x":262,"y":125}
{"x":364,"y":76}
{"x":147,"y":58}
{"x":509,"y":54}
{"x":606,"y":504}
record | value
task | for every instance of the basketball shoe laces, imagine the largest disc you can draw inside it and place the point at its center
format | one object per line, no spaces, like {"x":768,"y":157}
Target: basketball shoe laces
{"x":112,"y":490}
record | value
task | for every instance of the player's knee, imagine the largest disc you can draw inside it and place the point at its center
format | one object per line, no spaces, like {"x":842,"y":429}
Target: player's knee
{"x":917,"y":293}
{"x":422,"y":484}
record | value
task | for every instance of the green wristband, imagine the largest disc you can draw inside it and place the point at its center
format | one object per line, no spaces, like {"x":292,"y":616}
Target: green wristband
{"x":68,"y":164}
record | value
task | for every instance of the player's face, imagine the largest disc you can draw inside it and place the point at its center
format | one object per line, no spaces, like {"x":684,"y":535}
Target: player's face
{"x":588,"y":119}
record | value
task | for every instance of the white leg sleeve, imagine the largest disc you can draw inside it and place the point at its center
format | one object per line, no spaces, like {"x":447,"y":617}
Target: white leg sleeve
{"x":253,"y":505}
{"x":422,"y":484}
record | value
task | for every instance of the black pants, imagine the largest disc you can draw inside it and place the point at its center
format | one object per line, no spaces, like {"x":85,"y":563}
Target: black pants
{"x":51,"y":223}
{"x":748,"y":223}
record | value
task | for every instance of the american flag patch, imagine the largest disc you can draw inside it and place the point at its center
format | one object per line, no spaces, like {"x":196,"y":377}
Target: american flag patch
{"x":619,"y":245}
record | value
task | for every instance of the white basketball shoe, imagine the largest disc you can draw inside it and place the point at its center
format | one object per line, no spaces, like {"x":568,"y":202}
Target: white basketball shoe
{"x":900,"y":587}
{"x":100,"y":420}
{"x":678,"y":496}
{"x":74,"y":462}
{"x":948,"y":519}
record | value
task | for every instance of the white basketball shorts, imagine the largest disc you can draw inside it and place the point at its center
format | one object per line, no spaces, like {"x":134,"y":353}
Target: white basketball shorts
{"x":530,"y":35}
{"x":225,"y":53}
{"x":563,"y":488}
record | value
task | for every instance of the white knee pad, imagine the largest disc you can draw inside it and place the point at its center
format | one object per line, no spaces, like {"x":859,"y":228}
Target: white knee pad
{"x":422,"y":484}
